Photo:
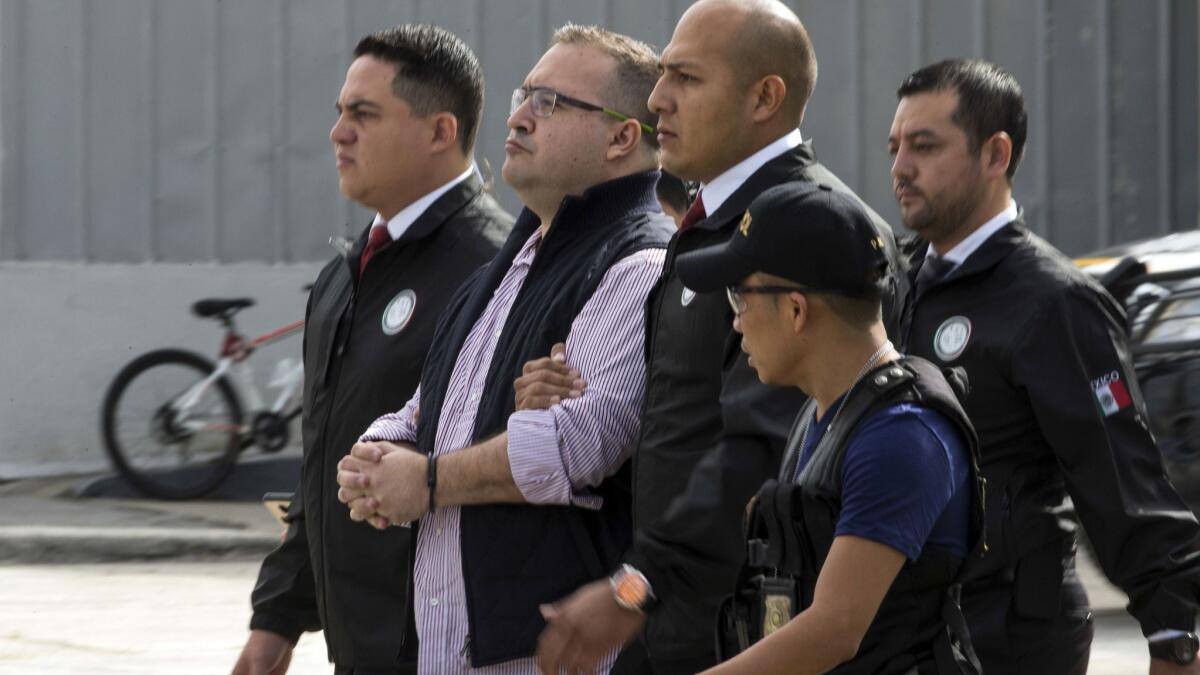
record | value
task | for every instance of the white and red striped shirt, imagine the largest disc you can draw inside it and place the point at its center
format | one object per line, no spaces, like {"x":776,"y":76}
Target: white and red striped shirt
{"x":556,"y":455}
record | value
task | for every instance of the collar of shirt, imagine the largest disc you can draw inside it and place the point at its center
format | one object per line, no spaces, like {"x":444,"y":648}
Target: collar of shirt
{"x":718,"y":189}
{"x":529,"y":250}
{"x":966,"y":247}
{"x":400,"y":222}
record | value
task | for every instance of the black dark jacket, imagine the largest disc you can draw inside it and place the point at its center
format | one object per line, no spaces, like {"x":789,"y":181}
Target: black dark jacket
{"x":1044,"y":347}
{"x":711,"y":432}
{"x":516,"y":557}
{"x":332,"y":573}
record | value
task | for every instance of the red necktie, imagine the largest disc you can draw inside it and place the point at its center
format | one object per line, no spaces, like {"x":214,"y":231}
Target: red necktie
{"x":694,"y":214}
{"x":378,"y":238}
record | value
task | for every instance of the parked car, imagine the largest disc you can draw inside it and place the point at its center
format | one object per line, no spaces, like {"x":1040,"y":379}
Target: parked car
{"x":1158,"y":281}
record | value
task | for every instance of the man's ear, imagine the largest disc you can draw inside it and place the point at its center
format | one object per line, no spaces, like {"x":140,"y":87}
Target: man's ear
{"x":445,"y":132}
{"x":769,"y":94}
{"x":798,"y":307}
{"x":624,"y":139}
{"x":997,"y":154}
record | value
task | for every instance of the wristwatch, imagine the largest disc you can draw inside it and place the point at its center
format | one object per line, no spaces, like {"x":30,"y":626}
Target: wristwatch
{"x":1178,"y":647}
{"x":631,"y":589}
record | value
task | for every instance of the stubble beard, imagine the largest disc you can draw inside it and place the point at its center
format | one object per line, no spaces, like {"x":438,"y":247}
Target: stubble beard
{"x":940,"y":218}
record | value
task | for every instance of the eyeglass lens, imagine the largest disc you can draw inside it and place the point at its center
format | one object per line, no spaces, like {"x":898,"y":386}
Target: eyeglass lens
{"x":540,"y":100}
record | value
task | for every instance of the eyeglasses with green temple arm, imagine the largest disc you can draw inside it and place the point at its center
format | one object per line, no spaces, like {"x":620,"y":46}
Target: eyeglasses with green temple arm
{"x":543,"y":100}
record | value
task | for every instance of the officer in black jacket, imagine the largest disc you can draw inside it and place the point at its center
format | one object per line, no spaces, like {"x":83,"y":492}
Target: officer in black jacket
{"x":736,"y":77}
{"x":403,"y":140}
{"x":1053,"y":394}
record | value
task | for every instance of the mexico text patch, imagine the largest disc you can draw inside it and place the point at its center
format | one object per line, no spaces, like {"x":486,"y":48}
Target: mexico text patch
{"x":1111,"y":394}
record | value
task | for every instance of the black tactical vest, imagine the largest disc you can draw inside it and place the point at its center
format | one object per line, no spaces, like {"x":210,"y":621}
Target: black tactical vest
{"x":790,"y":529}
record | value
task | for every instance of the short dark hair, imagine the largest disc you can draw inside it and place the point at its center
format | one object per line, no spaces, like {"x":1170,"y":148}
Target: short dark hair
{"x":435,"y":72}
{"x":989,"y":100}
{"x":636,"y":73}
{"x":858,"y":312}
{"x":861,"y":313}
{"x":671,"y":190}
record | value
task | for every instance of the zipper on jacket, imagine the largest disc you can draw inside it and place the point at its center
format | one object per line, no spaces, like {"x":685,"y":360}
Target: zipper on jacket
{"x":348,"y":312}
{"x":465,"y":652}
{"x":651,"y":338}
{"x":338,"y":349}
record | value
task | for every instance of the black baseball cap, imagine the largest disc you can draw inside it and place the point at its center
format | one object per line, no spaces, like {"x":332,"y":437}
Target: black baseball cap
{"x":821,"y":239}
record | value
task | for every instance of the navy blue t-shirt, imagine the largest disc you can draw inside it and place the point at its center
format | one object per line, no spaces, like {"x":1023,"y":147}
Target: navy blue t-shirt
{"x":905,"y":480}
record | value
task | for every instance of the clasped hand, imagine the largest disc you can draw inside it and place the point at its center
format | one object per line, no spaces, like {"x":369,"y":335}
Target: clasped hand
{"x":383,"y":483}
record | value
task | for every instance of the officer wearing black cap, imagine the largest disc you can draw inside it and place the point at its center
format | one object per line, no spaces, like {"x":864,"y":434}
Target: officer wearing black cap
{"x":853,"y":553}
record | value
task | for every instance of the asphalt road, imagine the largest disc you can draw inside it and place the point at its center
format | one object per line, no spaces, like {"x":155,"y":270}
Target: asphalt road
{"x":191,"y":617}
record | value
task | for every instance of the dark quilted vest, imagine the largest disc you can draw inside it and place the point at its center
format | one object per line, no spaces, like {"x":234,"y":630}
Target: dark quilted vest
{"x":517,"y":556}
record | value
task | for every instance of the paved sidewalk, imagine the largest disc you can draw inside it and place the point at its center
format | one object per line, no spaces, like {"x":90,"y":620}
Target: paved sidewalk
{"x":41,"y":522}
{"x":133,"y":618}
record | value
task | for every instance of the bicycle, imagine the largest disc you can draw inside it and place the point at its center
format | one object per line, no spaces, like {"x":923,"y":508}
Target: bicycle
{"x":173,"y":421}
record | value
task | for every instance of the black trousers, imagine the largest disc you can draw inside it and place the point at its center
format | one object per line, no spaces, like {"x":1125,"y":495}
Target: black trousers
{"x":1010,"y":642}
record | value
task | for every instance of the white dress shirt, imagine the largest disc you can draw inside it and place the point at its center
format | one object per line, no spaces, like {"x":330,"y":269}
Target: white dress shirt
{"x":715,"y":192}
{"x":966,"y":247}
{"x":400,"y":222}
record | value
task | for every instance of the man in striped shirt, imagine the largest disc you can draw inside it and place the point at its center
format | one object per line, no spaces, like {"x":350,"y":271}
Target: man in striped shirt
{"x":513,"y":509}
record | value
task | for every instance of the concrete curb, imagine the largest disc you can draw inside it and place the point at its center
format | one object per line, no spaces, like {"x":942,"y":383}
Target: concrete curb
{"x":20,"y":544}
{"x":47,"y":520}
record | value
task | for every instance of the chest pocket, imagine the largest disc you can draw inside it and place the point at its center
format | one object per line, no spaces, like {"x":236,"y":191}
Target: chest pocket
{"x":699,"y":322}
{"x":771,"y":586}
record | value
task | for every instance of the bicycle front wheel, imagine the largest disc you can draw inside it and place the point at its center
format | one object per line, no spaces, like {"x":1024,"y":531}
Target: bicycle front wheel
{"x":169,"y":428}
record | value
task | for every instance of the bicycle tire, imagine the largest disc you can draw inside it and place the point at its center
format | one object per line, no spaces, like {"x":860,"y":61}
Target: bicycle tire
{"x":183,"y":478}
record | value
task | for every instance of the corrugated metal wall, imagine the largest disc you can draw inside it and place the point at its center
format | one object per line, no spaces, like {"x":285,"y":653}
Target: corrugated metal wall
{"x":188,"y":130}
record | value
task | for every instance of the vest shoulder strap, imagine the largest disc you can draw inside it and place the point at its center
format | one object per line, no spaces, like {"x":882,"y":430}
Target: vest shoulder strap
{"x":883,"y":386}
{"x":791,"y":456}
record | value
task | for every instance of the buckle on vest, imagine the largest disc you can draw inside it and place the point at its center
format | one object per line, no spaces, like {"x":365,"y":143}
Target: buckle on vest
{"x":756,"y":553}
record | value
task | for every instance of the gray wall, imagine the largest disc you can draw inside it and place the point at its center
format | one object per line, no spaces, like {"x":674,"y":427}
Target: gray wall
{"x":68,"y":328}
{"x":152,"y":152}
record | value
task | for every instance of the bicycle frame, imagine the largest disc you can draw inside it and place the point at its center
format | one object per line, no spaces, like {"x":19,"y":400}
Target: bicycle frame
{"x":235,"y":350}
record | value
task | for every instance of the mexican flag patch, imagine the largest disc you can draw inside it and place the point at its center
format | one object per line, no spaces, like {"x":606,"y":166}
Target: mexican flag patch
{"x":1111,"y":394}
